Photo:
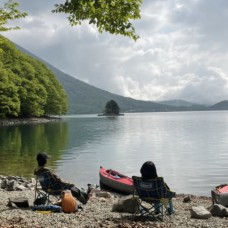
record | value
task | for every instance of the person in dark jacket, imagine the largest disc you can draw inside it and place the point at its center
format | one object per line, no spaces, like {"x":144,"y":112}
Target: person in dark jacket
{"x":80,"y":194}
{"x":149,"y":171}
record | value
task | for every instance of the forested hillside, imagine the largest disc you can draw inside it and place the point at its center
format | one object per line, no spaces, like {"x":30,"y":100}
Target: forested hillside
{"x":27,"y":86}
{"x":87,"y":99}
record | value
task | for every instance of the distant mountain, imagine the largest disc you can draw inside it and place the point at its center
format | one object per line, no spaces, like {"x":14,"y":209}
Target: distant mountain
{"x":84,"y":98}
{"x":87,"y":99}
{"x":223,"y":105}
{"x":179,"y":103}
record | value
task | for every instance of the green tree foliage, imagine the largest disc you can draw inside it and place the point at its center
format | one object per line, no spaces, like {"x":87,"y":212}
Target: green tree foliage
{"x":27,"y":86}
{"x":9,"y":98}
{"x":113,"y":16}
{"x":9,"y":12}
{"x":112,"y":107}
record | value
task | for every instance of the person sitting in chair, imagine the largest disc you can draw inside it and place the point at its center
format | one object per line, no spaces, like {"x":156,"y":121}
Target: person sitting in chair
{"x":60,"y":185}
{"x":149,"y":171}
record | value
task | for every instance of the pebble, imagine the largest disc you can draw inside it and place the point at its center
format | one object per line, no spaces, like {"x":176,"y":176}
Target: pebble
{"x":97,"y":212}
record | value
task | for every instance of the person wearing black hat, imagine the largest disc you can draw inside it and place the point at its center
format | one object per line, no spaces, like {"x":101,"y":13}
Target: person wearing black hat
{"x":80,"y":194}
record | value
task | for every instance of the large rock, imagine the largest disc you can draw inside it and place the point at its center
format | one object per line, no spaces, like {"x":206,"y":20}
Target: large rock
{"x":20,"y":187}
{"x":200,"y":212}
{"x":219,"y":210}
{"x":4,"y":183}
{"x":187,"y":199}
{"x":12,"y":185}
{"x":126,"y":204}
{"x":9,"y":185}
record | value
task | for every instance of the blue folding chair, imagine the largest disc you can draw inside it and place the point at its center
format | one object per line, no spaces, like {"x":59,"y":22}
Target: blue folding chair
{"x":154,"y":197}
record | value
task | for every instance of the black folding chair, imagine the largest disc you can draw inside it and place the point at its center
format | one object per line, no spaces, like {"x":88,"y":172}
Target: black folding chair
{"x":46,"y":186}
{"x":153,"y":197}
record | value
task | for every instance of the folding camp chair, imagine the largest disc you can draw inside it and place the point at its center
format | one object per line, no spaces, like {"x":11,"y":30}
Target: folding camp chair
{"x":153,"y":197}
{"x":46,"y":186}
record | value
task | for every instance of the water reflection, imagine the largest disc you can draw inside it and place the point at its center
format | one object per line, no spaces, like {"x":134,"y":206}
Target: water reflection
{"x":20,"y":144}
{"x":189,"y":149}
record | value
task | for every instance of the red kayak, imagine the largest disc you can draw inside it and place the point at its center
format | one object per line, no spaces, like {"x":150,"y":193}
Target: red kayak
{"x":116,"y":181}
{"x":220,"y":195}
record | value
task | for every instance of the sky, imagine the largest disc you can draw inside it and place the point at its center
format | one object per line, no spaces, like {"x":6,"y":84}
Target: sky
{"x":182,"y":52}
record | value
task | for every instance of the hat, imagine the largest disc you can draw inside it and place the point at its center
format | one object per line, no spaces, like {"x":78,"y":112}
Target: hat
{"x":42,"y":156}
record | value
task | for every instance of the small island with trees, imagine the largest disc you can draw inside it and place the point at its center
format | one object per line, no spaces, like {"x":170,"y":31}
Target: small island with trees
{"x":111,"y":109}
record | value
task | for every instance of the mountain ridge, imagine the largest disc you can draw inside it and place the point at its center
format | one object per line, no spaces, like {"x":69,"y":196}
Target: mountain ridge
{"x":84,"y":98}
{"x":178,"y":103}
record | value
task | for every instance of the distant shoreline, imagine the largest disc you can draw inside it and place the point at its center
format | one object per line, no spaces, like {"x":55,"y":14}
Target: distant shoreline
{"x":31,"y":120}
{"x":111,"y":115}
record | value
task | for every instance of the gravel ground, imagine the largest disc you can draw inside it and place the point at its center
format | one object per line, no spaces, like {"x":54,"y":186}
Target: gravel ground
{"x":98,"y":213}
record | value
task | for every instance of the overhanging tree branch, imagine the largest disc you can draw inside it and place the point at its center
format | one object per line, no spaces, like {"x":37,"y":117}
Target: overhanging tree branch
{"x":113,"y":16}
{"x":9,"y":12}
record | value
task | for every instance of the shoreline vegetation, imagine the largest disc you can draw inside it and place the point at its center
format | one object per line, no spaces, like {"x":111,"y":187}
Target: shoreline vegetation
{"x":99,"y":211}
{"x":39,"y":120}
{"x":29,"y":120}
{"x":111,"y":115}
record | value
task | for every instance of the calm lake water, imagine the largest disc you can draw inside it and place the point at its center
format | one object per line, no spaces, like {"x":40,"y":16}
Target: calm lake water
{"x":190,"y":149}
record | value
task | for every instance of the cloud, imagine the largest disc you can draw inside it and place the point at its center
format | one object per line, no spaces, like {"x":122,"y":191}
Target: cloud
{"x":181,"y":53}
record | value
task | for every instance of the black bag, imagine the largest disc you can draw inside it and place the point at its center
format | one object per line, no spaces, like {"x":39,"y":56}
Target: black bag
{"x":40,"y":200}
{"x":20,"y":202}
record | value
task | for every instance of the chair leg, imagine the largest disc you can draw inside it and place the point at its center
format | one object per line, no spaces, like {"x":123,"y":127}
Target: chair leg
{"x":153,"y":212}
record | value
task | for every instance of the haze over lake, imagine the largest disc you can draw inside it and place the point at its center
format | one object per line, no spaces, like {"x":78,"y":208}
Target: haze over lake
{"x":188,"y":148}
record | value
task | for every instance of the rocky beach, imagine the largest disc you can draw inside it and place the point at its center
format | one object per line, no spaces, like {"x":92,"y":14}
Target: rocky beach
{"x":190,"y":210}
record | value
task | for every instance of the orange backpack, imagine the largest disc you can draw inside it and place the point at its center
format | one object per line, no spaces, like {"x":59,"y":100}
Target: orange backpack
{"x":68,"y":202}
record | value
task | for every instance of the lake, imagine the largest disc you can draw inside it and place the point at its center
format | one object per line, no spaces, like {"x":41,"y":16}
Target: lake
{"x":190,"y":149}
